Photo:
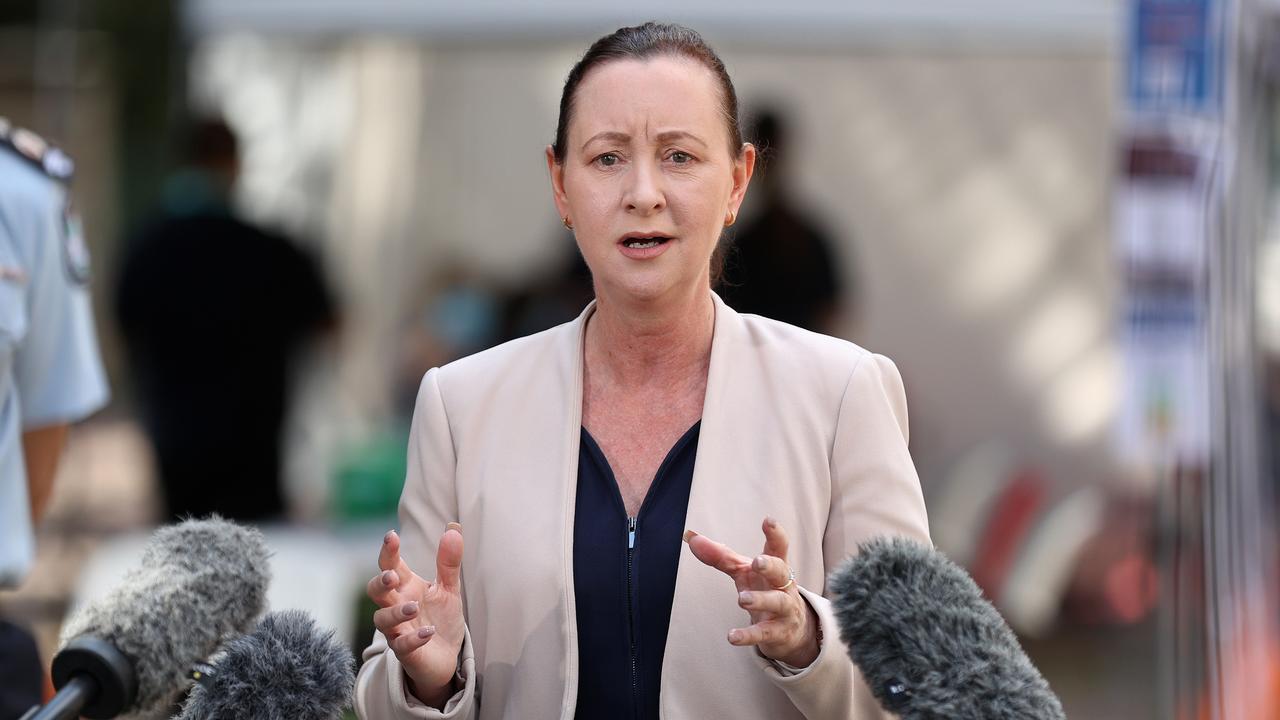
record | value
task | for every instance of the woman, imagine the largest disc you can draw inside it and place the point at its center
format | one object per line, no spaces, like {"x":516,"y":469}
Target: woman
{"x":578,"y":458}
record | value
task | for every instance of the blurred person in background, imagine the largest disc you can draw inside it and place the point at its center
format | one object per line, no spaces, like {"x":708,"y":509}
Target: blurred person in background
{"x":461,"y":316}
{"x":553,"y":300}
{"x":569,"y":456}
{"x":50,"y":371}
{"x":214,"y":311}
{"x":782,"y":265}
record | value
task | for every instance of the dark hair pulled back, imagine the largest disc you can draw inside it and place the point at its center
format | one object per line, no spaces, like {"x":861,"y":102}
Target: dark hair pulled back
{"x":642,"y":42}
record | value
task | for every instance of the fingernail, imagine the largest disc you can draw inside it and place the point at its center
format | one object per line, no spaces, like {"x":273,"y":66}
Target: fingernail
{"x":759,"y":562}
{"x":387,"y":538}
{"x":453,"y":526}
{"x":770,"y":521}
{"x":744,"y":597}
{"x":688,"y":534}
{"x":388,"y":577}
{"x":427,"y":631}
{"x":411,"y":608}
{"x":735,"y":636}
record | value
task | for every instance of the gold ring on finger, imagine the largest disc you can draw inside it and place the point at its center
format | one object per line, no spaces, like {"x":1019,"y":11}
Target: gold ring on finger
{"x":791,"y":580}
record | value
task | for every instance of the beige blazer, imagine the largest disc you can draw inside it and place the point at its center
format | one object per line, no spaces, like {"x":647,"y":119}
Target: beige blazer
{"x":807,"y":428}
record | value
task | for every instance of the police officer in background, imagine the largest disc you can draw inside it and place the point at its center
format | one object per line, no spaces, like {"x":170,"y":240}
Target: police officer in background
{"x":50,"y":372}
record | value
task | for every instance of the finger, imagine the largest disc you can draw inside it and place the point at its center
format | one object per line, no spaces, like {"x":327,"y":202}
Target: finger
{"x":389,"y":558}
{"x":775,"y":538}
{"x":775,"y":602}
{"x":410,"y":641}
{"x":767,"y":632}
{"x":389,"y":555}
{"x":773,"y":571}
{"x":382,"y":588}
{"x":388,"y":618}
{"x":717,"y":555}
{"x":449,"y":559}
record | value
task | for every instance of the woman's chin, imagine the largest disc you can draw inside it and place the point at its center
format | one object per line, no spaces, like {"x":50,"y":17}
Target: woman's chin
{"x":647,"y":288}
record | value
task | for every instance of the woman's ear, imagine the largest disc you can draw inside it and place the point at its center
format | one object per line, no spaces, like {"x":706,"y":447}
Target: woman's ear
{"x":743,"y":168}
{"x":556,"y":170}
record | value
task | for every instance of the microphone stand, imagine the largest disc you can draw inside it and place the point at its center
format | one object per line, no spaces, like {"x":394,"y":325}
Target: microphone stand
{"x":94,"y":680}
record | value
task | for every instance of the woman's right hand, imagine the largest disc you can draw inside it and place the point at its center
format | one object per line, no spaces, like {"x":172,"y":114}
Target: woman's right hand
{"x":422,"y":620}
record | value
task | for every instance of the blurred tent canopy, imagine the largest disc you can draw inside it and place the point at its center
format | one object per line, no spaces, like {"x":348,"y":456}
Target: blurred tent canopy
{"x":807,"y":22}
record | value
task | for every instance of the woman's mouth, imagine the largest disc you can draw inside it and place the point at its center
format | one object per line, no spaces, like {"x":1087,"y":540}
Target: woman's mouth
{"x":643,"y":247}
{"x":642,"y":243}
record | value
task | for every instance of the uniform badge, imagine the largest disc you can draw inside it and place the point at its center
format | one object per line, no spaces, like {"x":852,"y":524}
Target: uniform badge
{"x":51,"y":160}
{"x":75,"y":250}
{"x":29,"y":143}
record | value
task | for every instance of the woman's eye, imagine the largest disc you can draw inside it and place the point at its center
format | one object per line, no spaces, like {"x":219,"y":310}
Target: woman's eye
{"x":607,"y":160}
{"x":680,"y":158}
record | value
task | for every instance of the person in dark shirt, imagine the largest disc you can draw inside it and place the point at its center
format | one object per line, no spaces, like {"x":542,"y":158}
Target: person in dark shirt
{"x":213,"y":311}
{"x":782,"y":265}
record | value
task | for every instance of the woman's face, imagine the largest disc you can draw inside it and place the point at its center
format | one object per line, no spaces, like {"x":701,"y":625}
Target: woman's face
{"x":648,"y":180}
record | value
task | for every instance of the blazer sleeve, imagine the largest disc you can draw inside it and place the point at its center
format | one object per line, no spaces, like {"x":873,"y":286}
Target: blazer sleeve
{"x":874,"y":491}
{"x":427,"y":504}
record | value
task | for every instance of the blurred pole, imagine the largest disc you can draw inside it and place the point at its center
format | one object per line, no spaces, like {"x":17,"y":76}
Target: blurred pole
{"x":55,"y":67}
{"x":1243,"y":522}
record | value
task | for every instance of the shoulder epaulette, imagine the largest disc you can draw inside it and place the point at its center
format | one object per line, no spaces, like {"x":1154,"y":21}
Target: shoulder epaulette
{"x":50,"y":160}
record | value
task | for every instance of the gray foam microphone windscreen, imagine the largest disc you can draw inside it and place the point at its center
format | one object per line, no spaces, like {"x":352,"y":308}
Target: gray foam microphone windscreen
{"x":286,"y":668}
{"x":198,"y":582}
{"x":927,"y":643}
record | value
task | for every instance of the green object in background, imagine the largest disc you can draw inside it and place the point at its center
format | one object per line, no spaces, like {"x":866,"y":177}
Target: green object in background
{"x":363,"y":625}
{"x":369,"y":478}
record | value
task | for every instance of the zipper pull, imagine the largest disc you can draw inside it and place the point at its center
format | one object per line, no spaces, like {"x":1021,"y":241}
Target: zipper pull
{"x":631,"y":533}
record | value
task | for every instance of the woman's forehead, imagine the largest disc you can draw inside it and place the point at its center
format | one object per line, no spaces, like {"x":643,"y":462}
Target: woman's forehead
{"x":648,"y":97}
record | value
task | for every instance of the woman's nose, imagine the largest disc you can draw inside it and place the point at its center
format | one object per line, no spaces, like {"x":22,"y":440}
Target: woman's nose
{"x":644,"y":193}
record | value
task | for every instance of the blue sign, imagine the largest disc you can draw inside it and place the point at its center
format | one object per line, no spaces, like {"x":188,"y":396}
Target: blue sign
{"x":1175,"y":56}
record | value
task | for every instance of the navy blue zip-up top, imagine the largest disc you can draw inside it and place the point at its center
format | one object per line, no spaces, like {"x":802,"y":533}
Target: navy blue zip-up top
{"x":624,"y":579}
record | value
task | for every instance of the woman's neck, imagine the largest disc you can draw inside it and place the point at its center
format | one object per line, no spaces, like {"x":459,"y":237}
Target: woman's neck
{"x":632,"y":347}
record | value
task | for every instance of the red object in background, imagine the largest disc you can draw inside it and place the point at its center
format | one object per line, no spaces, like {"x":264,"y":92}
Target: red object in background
{"x":1011,"y":518}
{"x":1132,"y":587}
{"x":1117,"y":580}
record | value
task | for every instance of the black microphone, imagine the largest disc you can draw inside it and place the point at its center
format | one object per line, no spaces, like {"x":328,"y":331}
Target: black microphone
{"x":198,"y":582}
{"x":927,"y":643}
{"x":286,"y":668}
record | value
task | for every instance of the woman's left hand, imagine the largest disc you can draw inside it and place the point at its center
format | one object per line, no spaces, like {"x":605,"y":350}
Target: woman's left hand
{"x":783,"y":626}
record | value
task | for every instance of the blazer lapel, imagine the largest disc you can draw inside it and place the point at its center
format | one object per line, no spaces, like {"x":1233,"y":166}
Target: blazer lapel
{"x":571,"y":361}
{"x":704,"y":597}
{"x":706,"y":498}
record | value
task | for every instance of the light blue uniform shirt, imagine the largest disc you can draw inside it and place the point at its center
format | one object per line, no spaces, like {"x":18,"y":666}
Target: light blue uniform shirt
{"x":50,"y":372}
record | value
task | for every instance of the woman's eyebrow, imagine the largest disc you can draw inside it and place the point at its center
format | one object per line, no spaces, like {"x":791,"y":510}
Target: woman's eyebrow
{"x":673,"y":135}
{"x":664,"y":137}
{"x":615,"y":136}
